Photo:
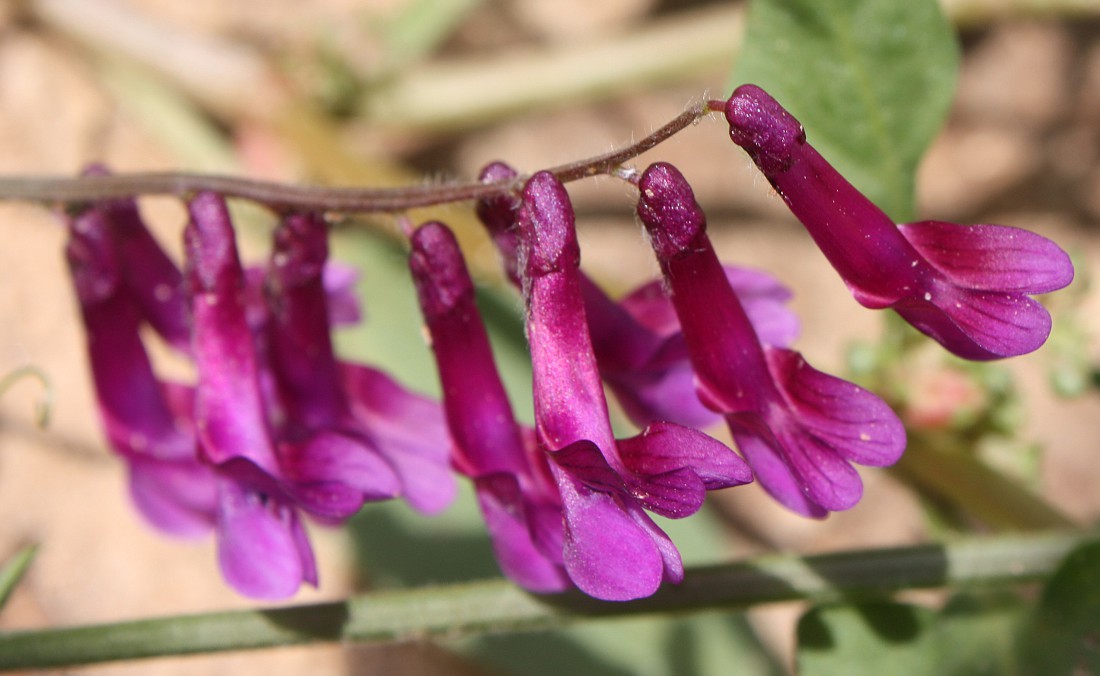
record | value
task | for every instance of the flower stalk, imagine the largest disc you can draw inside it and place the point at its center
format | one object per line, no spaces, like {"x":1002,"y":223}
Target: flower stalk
{"x":497,"y":606}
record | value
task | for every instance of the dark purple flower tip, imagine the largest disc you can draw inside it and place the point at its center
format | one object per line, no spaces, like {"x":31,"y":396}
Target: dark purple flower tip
{"x":152,"y":279}
{"x":479,"y":416}
{"x":93,"y":263}
{"x":667,"y":207}
{"x":763,"y":128}
{"x":300,"y":250}
{"x":230,"y":411}
{"x":210,"y":245}
{"x":498,"y":212}
{"x":439,"y":270}
{"x":546,"y":225}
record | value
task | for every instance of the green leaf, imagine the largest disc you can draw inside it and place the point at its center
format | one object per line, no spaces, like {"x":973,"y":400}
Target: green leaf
{"x":420,"y":27}
{"x":1062,"y":635}
{"x":12,"y":571}
{"x":972,"y":635}
{"x":870,"y":80}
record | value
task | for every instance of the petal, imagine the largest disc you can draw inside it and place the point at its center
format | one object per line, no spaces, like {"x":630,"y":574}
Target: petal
{"x":824,"y":476}
{"x":662,"y":388}
{"x":979,"y":325}
{"x":569,"y":397}
{"x":664,"y":447}
{"x":992,"y":257}
{"x":333,"y":474}
{"x":340,"y":282}
{"x":584,"y":463}
{"x":487,"y":438}
{"x":762,"y":451}
{"x":506,"y":520}
{"x":606,"y":553}
{"x":298,"y":330}
{"x":762,"y":295}
{"x":177,"y":497}
{"x":672,"y":563}
{"x":230,"y":412}
{"x":854,"y":423}
{"x":262,"y":549}
{"x":409,"y":430}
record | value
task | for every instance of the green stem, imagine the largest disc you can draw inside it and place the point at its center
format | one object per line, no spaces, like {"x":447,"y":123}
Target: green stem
{"x":498,"y":606}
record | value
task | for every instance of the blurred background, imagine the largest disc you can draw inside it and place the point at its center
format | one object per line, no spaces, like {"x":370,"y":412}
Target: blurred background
{"x":393,"y":92}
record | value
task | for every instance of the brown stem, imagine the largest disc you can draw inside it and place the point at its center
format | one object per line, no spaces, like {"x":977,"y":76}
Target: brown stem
{"x":283,"y":197}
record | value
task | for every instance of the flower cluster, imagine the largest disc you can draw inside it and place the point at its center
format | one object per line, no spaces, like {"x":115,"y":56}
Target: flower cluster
{"x":275,"y":426}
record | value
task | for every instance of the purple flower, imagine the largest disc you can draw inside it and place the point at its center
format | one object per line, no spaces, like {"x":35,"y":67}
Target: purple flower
{"x":341,"y":412}
{"x":515,"y":491}
{"x":798,"y":428}
{"x":637,"y":342}
{"x":612,"y":549}
{"x":275,"y":425}
{"x":286,"y":426}
{"x":147,"y":422}
{"x":967,"y":287}
{"x":149,"y":276}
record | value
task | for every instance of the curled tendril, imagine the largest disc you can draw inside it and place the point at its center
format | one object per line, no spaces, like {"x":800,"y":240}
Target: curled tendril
{"x":44,"y":406}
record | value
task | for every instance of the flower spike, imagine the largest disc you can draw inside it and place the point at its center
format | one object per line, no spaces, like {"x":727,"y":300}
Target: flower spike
{"x":967,"y":287}
{"x":798,"y":428}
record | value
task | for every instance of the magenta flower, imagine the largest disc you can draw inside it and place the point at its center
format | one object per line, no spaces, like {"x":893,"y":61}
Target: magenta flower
{"x":263,"y":548}
{"x":612,"y":549}
{"x":967,"y":287}
{"x":147,"y":422}
{"x":286,"y":426}
{"x":799,"y":429}
{"x":148,"y":275}
{"x":515,"y":491}
{"x":275,"y":425}
{"x":637,"y":342}
{"x":343,"y":411}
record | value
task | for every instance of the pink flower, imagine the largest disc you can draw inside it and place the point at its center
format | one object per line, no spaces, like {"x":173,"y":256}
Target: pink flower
{"x":799,"y":429}
{"x":967,"y":287}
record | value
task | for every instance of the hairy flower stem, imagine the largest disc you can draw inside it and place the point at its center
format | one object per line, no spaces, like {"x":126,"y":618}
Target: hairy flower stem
{"x":282,"y":197}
